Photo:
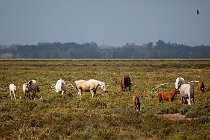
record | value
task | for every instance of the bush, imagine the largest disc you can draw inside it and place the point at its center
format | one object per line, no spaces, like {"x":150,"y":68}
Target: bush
{"x":6,"y":117}
{"x":169,"y":110}
{"x":183,"y":110}
{"x":190,"y":114}
{"x":98,"y":103}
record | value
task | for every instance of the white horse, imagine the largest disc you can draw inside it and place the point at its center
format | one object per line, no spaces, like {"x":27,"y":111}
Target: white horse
{"x":186,"y":90}
{"x":12,"y":91}
{"x":89,"y":86}
{"x":60,"y":86}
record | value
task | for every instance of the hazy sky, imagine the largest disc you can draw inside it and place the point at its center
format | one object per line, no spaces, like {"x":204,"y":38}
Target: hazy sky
{"x":106,"y":22}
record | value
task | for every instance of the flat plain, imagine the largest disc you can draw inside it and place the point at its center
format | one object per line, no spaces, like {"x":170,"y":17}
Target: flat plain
{"x":106,"y":116}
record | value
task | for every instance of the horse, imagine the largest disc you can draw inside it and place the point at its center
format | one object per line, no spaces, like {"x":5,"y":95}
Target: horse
{"x":125,"y":82}
{"x":89,"y":86}
{"x":60,"y":86}
{"x":201,"y":86}
{"x":12,"y":91}
{"x":186,"y":90}
{"x":136,"y":103}
{"x":168,"y":96}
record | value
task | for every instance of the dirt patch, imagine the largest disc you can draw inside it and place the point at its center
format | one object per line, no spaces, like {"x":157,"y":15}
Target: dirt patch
{"x":174,"y":117}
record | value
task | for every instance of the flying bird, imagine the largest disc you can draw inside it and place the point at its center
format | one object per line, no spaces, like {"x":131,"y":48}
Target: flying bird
{"x":198,"y":12}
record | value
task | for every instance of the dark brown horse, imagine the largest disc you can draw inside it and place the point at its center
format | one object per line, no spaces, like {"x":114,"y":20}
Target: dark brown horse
{"x":125,"y":82}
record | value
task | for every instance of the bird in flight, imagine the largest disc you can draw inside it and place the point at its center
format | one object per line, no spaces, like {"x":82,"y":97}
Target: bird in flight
{"x":198,"y":12}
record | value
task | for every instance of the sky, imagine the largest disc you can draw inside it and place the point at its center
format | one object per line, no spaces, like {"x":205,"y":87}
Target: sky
{"x":105,"y":22}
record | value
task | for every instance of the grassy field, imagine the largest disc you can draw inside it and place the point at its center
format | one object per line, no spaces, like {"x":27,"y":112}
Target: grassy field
{"x":107,"y":116}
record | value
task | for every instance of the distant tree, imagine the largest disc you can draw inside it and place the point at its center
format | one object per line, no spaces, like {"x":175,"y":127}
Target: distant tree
{"x":91,"y":50}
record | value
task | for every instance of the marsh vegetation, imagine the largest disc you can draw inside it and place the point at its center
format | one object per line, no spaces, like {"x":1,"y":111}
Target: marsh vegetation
{"x":107,"y":116}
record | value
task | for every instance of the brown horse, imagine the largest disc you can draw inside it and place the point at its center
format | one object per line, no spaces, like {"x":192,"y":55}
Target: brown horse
{"x":125,"y":82}
{"x":136,"y":103}
{"x":168,"y":96}
{"x":201,"y":86}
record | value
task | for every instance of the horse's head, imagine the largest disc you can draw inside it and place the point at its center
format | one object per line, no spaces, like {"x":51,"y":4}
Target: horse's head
{"x":179,"y":82}
{"x":177,"y":91}
{"x":103,"y":86}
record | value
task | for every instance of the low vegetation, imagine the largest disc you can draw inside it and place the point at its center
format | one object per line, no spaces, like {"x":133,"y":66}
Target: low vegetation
{"x":107,"y":116}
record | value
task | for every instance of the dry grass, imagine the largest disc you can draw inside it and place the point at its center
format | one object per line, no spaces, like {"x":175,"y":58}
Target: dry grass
{"x":109,"y":116}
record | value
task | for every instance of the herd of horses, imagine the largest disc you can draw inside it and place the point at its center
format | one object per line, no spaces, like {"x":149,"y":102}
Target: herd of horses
{"x":182,"y":87}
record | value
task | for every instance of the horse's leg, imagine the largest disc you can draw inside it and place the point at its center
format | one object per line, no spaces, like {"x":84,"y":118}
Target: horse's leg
{"x":135,"y":107}
{"x":189,"y":99}
{"x":25,"y":95}
{"x":79,"y":92}
{"x":14,"y":96}
{"x":92,"y":92}
{"x":10,"y":95}
{"x":35,"y":94}
{"x":32,"y":96}
{"x":158,"y":100}
{"x":186,"y":100}
{"x":29,"y":95}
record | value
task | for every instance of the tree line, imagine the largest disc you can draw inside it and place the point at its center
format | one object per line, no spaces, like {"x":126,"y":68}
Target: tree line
{"x":159,"y":50}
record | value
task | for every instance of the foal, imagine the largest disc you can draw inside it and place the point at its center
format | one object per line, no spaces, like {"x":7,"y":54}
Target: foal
{"x":136,"y":103}
{"x":168,"y":96}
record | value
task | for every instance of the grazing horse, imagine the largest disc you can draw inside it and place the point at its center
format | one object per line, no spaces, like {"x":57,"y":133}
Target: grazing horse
{"x":136,"y":103}
{"x":26,"y":90}
{"x":89,"y":86}
{"x":186,"y":90}
{"x":201,"y":86}
{"x":168,"y":96}
{"x":125,"y":82}
{"x":30,"y":86}
{"x":12,"y":91}
{"x":60,"y":86}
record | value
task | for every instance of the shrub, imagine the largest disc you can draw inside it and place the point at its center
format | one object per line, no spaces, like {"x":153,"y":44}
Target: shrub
{"x":6,"y":117}
{"x":169,"y":110}
{"x":183,"y":110}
